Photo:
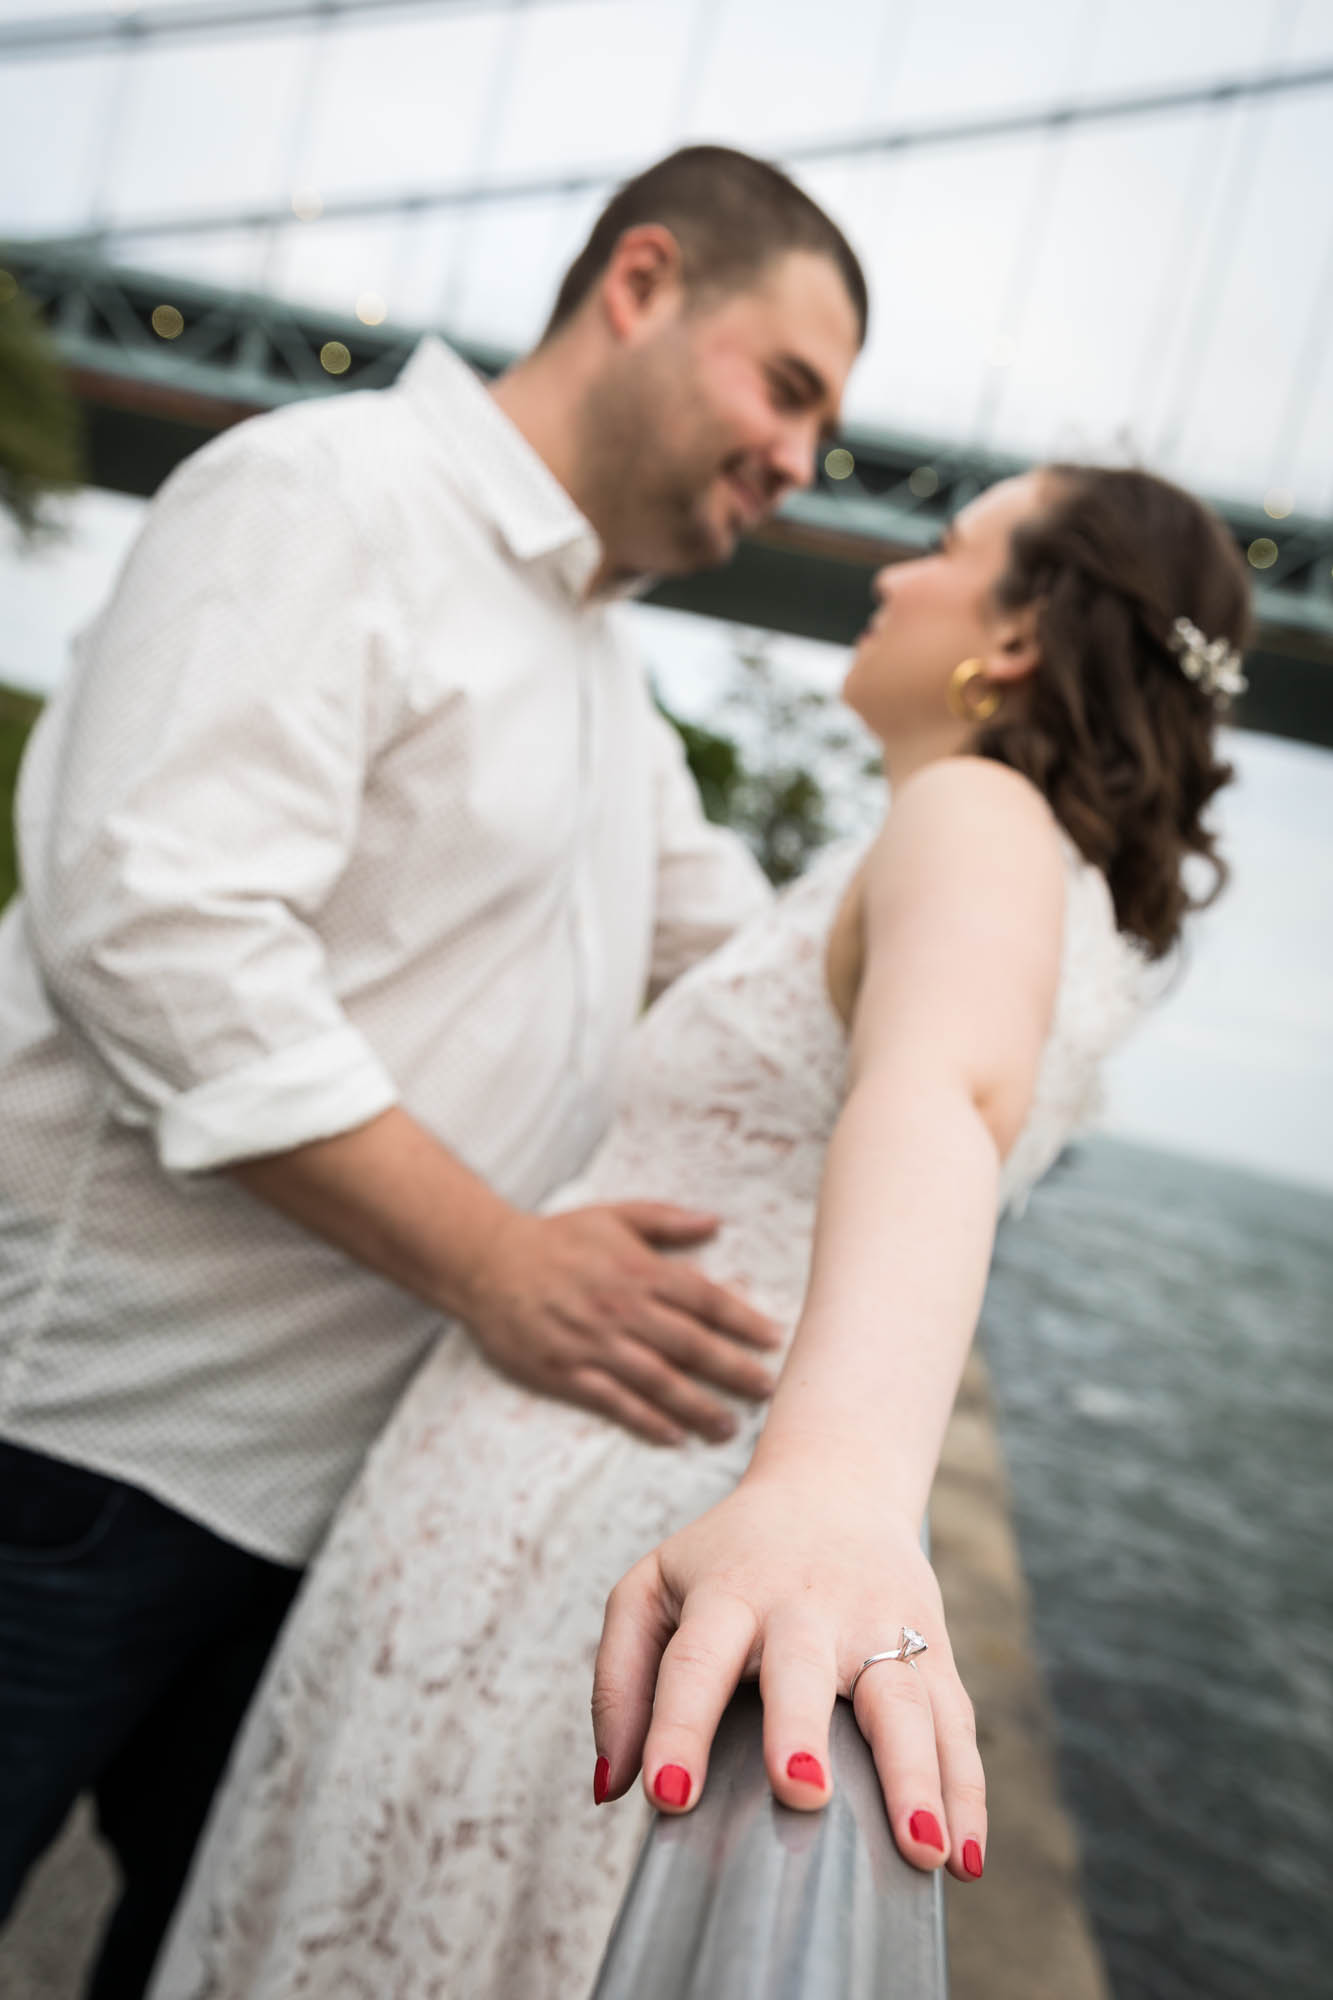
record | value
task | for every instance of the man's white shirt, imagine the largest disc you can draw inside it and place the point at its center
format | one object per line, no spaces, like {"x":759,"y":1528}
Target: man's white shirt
{"x":352,"y":798}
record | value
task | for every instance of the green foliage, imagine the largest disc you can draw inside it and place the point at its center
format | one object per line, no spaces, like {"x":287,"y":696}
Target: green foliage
{"x":716,"y":764}
{"x":18,"y":712}
{"x":792,"y":821}
{"x":40,"y":436}
{"x":775,"y":795}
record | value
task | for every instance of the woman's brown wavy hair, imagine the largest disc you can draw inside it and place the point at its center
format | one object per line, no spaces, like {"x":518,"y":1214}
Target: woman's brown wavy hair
{"x":1110,"y":729}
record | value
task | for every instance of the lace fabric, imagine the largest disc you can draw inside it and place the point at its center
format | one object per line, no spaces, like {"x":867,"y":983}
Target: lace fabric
{"x":409,"y":1813}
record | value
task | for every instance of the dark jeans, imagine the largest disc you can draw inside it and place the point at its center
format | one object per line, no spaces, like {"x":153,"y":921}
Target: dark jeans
{"x":131,"y":1639}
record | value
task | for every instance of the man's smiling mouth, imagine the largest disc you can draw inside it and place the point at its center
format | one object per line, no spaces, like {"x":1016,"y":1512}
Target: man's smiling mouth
{"x":751,"y":504}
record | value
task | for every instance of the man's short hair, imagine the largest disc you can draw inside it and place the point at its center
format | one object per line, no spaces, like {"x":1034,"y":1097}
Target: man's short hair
{"x":731,"y":214}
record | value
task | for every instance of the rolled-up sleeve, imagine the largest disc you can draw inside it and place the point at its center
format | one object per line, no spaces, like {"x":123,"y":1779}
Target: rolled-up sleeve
{"x":190,"y":800}
{"x":708,"y":882}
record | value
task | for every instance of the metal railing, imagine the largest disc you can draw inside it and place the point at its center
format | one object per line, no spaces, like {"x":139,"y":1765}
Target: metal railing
{"x":746,"y":1899}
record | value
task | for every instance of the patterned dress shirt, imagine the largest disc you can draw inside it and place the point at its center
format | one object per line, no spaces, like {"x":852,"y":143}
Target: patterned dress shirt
{"x":352,"y":798}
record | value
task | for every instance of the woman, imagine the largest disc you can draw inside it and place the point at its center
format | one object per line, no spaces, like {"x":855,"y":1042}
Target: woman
{"x":857,"y":1083}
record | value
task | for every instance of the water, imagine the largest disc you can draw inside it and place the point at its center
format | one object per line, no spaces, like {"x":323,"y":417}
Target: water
{"x":1161,"y":1338}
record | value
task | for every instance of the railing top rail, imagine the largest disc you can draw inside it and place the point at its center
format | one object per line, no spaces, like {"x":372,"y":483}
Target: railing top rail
{"x":748,"y":1899}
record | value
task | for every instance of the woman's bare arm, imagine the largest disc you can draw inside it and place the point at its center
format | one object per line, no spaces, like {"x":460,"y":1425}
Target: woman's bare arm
{"x":964,"y":902}
{"x":814,"y":1562}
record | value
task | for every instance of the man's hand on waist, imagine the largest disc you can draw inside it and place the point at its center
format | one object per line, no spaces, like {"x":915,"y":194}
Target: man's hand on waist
{"x":585,"y":1306}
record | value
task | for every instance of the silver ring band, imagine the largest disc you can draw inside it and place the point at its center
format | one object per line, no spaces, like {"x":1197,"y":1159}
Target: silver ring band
{"x":910,"y":1642}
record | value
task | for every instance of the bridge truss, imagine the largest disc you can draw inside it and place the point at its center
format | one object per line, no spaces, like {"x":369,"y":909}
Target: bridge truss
{"x":151,"y":396}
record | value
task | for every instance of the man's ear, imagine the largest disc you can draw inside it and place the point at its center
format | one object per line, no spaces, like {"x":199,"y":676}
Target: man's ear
{"x":642,"y":279}
{"x":1015,"y":650}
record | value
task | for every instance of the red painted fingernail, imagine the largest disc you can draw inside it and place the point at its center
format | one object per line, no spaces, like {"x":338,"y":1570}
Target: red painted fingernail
{"x":806,"y":1770}
{"x":600,"y":1778}
{"x":672,"y":1785}
{"x":972,"y":1857}
{"x":924,"y":1826}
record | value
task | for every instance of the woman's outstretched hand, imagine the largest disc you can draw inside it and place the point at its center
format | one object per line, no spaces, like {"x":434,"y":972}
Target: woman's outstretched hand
{"x":796,"y":1584}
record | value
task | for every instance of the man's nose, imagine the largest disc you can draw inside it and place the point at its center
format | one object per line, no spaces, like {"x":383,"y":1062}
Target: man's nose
{"x":796,"y":456}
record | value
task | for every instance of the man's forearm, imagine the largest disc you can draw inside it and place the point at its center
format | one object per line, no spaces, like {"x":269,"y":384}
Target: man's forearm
{"x":391,"y":1196}
{"x":587,"y":1305}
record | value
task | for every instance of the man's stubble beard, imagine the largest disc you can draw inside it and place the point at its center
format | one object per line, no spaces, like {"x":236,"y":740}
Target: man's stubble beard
{"x":654,"y":493}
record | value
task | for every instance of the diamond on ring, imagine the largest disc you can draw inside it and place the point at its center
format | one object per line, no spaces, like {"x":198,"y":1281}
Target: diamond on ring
{"x":910,"y":1643}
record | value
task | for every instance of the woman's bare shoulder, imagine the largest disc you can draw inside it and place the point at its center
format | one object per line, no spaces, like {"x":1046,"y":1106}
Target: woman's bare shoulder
{"x":975,"y":785}
{"x":968,"y":819}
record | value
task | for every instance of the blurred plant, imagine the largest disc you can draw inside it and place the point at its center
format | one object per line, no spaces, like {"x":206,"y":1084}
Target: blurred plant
{"x":805,"y":776}
{"x":40,"y":433}
{"x":18,"y":712}
{"x":40,"y":456}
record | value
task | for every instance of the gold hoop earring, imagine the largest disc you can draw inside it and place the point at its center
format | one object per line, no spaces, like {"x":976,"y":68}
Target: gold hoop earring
{"x":968,"y":701}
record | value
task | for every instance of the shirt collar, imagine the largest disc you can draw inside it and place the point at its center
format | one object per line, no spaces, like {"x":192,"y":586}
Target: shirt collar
{"x":503,"y":476}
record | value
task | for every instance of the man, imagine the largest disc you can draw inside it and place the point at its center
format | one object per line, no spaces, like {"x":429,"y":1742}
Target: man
{"x":349,"y":852}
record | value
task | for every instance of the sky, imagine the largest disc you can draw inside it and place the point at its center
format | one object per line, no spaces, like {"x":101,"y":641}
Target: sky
{"x":1157,"y":289}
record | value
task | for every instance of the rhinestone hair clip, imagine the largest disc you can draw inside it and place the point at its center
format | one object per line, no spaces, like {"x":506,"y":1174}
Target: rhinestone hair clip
{"x":1212,"y":663}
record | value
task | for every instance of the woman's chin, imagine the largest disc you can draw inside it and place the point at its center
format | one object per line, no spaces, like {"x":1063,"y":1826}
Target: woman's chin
{"x":849,"y":692}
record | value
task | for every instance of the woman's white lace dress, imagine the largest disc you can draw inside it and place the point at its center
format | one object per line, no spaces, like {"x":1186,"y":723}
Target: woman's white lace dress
{"x":409,"y":1811}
